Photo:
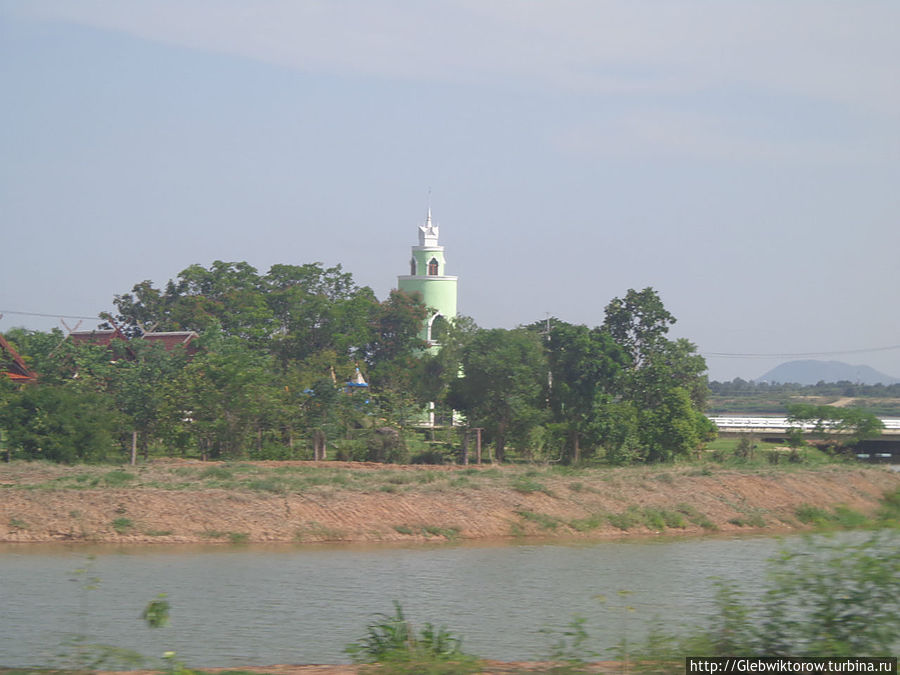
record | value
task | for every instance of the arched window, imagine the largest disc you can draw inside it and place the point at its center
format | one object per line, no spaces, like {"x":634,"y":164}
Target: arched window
{"x":437,"y":329}
{"x":433,"y":268}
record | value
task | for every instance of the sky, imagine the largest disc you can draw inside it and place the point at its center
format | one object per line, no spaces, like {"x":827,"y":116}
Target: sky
{"x":742,"y":158}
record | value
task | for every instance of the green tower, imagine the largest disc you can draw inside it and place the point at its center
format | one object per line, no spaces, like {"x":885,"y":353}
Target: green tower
{"x":427,"y":277}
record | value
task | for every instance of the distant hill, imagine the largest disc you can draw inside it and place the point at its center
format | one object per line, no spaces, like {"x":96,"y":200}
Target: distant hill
{"x":811,"y":372}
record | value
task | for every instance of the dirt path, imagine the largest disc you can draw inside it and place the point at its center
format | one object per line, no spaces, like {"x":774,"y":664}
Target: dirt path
{"x":179,"y":502}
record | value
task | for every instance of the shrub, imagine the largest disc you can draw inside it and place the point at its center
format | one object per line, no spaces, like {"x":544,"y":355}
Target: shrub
{"x":392,"y":639}
{"x":386,"y":445}
{"x":825,"y":599}
{"x":122,"y":525}
{"x":813,"y":515}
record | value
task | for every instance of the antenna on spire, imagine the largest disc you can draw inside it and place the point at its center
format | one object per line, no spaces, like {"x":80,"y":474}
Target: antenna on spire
{"x":428,"y":205}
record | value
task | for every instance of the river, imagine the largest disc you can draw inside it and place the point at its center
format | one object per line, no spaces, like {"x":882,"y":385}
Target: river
{"x":302,"y":604}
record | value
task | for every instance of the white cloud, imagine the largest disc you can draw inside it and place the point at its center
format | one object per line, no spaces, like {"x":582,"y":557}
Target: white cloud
{"x":836,"y":51}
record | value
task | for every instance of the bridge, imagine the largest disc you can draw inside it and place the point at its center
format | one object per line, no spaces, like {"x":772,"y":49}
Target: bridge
{"x":884,"y":448}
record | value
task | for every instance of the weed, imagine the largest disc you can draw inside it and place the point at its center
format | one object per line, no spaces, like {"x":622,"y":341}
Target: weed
{"x":213,"y":534}
{"x":545,"y":521}
{"x":756,"y":520}
{"x":273,"y":485}
{"x":813,"y":515}
{"x":653,"y":518}
{"x":526,"y":485}
{"x":122,"y":525}
{"x":587,"y":524}
{"x":238,"y":537}
{"x":317,"y":531}
{"x":889,"y":514}
{"x":625,"y":520}
{"x":570,"y":651}
{"x":672,"y":519}
{"x":697,"y":518}
{"x":117,"y":478}
{"x":393,"y":640}
{"x":157,"y":533}
{"x":17,"y":524}
{"x":216,"y":473}
{"x":576,"y":487}
{"x":447,"y":532}
{"x":404,"y":529}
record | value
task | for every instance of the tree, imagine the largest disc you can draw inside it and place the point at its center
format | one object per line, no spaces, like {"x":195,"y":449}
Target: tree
{"x":638,"y":323}
{"x":56,"y":423}
{"x":844,"y":426}
{"x":503,"y":382}
{"x":223,"y":391}
{"x":138,"y":387}
{"x":585,"y":367}
{"x":664,"y":379}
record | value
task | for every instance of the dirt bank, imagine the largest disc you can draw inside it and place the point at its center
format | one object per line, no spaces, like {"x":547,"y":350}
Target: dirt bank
{"x":185,"y":502}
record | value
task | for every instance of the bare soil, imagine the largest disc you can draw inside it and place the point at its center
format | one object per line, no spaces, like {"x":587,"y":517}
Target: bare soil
{"x":175,"y":502}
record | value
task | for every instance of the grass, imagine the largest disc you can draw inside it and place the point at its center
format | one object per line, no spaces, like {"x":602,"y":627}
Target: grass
{"x":122,"y":525}
{"x":588,"y":524}
{"x":17,"y":524}
{"x":696,"y":517}
{"x":232,"y":537}
{"x":843,"y":517}
{"x":527,"y":484}
{"x":316,"y":531}
{"x":544,"y":520}
{"x":117,"y":478}
{"x":450,"y":533}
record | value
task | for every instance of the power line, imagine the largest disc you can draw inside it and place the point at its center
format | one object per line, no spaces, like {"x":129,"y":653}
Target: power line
{"x":48,"y":316}
{"x":717,"y":355}
{"x":729,"y":355}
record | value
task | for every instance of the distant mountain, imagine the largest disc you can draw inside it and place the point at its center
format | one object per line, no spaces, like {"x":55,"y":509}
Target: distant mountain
{"x":812,"y":372}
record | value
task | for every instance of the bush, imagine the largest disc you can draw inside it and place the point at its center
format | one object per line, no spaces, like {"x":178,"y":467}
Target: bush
{"x":825,"y":599}
{"x":60,"y":425}
{"x":392,"y":639}
{"x":386,"y":445}
{"x":430,"y":456}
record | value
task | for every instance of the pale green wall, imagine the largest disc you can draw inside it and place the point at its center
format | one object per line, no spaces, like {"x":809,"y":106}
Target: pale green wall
{"x":424,"y":255}
{"x":438,"y":293}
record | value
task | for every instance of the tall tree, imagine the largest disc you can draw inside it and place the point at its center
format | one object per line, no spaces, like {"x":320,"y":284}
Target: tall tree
{"x":585,"y":371}
{"x":665,"y":380}
{"x":503,"y":382}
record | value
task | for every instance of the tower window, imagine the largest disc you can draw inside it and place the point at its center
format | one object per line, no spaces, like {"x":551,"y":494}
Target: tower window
{"x":412,"y":267}
{"x":433,"y":268}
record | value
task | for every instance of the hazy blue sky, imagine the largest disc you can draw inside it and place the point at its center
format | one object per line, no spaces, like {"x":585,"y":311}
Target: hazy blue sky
{"x":743,"y":158}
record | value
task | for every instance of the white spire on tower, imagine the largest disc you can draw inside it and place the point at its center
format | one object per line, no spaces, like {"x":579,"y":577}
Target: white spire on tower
{"x":428,"y":233}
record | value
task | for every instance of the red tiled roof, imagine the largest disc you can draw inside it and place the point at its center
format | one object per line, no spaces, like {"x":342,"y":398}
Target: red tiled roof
{"x":96,"y":337}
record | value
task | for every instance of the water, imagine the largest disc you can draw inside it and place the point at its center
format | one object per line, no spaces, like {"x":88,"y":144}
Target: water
{"x":265,"y":605}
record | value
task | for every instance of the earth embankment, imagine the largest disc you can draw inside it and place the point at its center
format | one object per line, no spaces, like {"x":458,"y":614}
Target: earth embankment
{"x":190,"y":502}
